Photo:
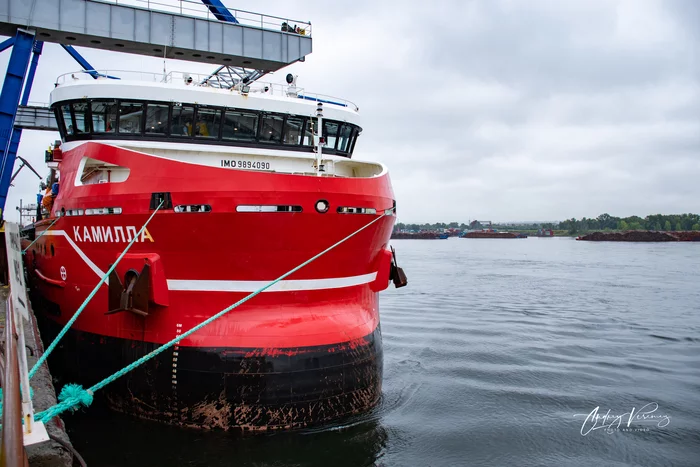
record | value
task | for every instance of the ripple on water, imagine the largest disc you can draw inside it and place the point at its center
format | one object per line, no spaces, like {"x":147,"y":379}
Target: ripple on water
{"x":493,"y":355}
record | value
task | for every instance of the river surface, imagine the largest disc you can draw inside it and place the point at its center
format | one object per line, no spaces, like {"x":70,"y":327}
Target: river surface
{"x":495,"y":354}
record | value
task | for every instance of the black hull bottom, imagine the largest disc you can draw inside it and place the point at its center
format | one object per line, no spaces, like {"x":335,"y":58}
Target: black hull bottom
{"x":225,"y":388}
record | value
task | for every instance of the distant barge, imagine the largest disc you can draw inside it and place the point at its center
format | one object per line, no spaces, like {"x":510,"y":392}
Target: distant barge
{"x":492,"y":234}
{"x":642,"y":236}
{"x":417,"y":236}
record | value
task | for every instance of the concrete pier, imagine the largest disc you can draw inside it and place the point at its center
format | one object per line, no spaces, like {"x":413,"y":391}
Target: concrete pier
{"x":50,"y":453}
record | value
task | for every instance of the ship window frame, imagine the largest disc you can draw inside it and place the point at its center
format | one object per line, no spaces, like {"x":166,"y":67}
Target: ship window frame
{"x":116,"y":119}
{"x":68,"y":104}
{"x":219,"y":139}
{"x":256,"y":113}
{"x":180,"y":137}
{"x":145,"y":116}
{"x":302,"y":129}
{"x":338,"y":124}
{"x":142,"y":119}
{"x":348,"y":138}
{"x":87,"y":117}
{"x":308,"y":121}
{"x":357,"y":131}
{"x":261,"y":119}
{"x":220,"y":111}
{"x":59,"y":120}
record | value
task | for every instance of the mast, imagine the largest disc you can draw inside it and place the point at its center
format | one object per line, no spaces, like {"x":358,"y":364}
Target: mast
{"x":318,"y":139}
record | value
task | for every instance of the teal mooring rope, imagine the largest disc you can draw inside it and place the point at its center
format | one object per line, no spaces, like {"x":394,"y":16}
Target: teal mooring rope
{"x":70,"y":322}
{"x":72,"y":396}
{"x":41,"y":235}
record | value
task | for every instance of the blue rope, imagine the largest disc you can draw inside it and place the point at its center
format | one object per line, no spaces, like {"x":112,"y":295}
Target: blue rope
{"x":70,"y":322}
{"x":73,"y":395}
{"x":41,"y":235}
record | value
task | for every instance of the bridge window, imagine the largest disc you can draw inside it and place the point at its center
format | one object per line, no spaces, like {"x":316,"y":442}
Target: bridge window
{"x":240,"y":126}
{"x":293,"y":129}
{"x":130,"y":117}
{"x":68,"y":119}
{"x":182,"y":122}
{"x":271,"y":129}
{"x":104,"y":116}
{"x":208,"y":123}
{"x":309,"y":132}
{"x":344,"y":137}
{"x":330,"y":133}
{"x":83,"y":119}
{"x":157,"y":118}
{"x":82,"y":124}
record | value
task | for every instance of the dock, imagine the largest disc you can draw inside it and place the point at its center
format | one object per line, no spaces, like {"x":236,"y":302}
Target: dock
{"x":56,"y":452}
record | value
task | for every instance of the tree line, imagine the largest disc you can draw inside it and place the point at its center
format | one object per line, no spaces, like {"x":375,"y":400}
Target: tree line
{"x":657,"y":222}
{"x":604,"y":222}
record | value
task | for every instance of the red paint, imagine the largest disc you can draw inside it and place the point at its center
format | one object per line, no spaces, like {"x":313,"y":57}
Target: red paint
{"x":54,"y":282}
{"x":158,"y":281}
{"x":383,"y":271}
{"x":221,"y":245}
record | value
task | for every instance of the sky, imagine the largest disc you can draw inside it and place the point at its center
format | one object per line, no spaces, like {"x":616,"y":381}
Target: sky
{"x":500,"y":110}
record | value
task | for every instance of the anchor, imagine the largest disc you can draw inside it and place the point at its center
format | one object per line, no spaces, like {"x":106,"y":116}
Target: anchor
{"x":131,"y":296}
{"x":396,"y":274}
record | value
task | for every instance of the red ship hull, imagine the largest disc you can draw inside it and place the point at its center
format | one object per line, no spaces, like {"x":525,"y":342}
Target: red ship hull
{"x":307,"y":351}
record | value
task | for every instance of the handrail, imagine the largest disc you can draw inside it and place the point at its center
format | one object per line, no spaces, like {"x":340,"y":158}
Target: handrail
{"x":48,"y":280}
{"x":197,"y":9}
{"x":12,"y":452}
{"x":185,"y":79}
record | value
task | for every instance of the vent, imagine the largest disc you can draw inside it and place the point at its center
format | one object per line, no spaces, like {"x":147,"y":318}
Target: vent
{"x":192,"y":208}
{"x":267,"y":208}
{"x":75,"y":212}
{"x":100,"y":211}
{"x":349,"y":210}
{"x":156,"y":199}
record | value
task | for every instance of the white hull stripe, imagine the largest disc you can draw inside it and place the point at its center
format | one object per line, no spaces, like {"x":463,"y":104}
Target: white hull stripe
{"x":80,"y":252}
{"x":282,"y":286}
{"x":236,"y":286}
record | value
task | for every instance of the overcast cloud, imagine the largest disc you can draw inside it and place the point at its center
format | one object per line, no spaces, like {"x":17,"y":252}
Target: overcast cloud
{"x":499,"y":110}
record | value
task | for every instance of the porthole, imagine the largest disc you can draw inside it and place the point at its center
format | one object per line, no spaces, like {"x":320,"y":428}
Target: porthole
{"x":322,"y":206}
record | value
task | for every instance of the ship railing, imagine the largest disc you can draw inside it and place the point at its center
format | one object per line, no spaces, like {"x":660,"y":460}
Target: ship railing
{"x":12,"y":452}
{"x":197,"y":9}
{"x":183,"y":78}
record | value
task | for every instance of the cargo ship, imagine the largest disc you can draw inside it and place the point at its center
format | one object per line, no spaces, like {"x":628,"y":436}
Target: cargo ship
{"x":248,"y":183}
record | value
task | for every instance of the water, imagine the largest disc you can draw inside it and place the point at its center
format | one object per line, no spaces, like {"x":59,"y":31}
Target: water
{"x":490,"y":353}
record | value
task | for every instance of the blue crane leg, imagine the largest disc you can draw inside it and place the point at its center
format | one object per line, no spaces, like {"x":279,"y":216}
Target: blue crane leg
{"x":17,"y":132}
{"x":9,"y":100}
{"x":220,"y":11}
{"x":38,"y":48}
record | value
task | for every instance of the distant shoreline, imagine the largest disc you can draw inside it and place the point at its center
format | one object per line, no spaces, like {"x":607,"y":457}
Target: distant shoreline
{"x":604,"y":223}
